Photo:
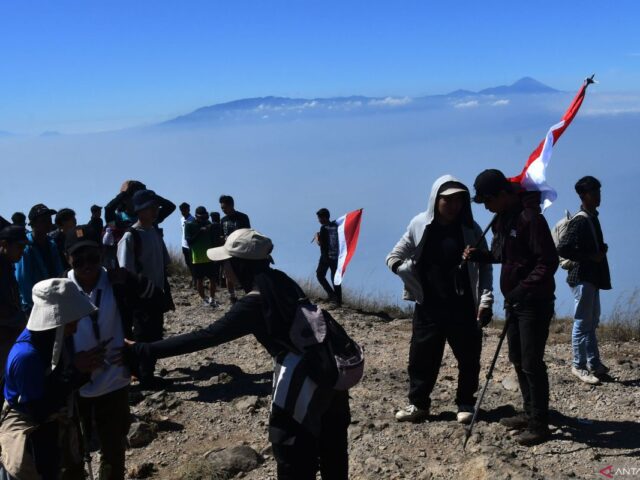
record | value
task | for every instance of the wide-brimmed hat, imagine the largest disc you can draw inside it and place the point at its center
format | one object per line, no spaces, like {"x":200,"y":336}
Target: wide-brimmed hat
{"x":245,"y":243}
{"x":56,"y":302}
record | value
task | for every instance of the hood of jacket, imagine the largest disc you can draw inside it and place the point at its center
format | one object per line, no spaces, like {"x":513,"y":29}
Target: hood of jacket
{"x":436,"y":188}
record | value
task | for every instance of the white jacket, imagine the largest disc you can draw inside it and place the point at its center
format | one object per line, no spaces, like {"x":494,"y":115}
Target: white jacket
{"x":407,"y":251}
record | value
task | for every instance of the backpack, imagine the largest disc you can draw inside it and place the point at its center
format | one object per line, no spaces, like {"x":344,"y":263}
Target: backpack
{"x":560,"y":229}
{"x":331,"y":357}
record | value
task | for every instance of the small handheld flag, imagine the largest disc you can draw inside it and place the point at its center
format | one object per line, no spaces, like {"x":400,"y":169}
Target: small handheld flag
{"x":348,"y":232}
{"x":533,"y":176}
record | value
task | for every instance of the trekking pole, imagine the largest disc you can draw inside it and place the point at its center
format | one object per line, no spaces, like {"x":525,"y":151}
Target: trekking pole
{"x":457,"y":282}
{"x":469,"y":429}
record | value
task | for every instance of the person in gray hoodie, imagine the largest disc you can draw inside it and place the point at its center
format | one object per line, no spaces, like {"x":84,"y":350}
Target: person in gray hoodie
{"x":453,"y":300}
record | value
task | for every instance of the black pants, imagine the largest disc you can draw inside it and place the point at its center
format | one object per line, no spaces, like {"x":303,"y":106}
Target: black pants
{"x":430,"y":332}
{"x":329,"y":453}
{"x":148,"y":325}
{"x":111,"y":417}
{"x":324,"y":265}
{"x":527,"y":336}
{"x":188,"y":259}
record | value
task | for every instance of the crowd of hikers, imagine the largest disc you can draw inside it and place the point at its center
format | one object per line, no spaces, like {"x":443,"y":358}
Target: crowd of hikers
{"x":82,"y":313}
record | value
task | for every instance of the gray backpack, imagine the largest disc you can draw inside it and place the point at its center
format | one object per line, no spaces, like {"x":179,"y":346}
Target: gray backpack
{"x":560,"y":229}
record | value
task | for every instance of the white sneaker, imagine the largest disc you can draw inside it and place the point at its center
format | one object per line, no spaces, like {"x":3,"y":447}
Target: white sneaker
{"x":600,"y":370}
{"x":205,"y":302}
{"x":411,"y":413}
{"x":213,"y":303}
{"x":465,"y":414}
{"x":585,"y":376}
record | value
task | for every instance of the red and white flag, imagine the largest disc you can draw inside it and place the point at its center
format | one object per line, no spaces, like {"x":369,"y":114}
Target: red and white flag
{"x":348,"y":232}
{"x":533,"y":176}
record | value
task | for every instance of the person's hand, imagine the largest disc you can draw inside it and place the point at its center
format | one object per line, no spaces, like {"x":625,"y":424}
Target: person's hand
{"x":485,"y":315}
{"x":597,"y":257}
{"x":89,"y":360}
{"x":469,"y":253}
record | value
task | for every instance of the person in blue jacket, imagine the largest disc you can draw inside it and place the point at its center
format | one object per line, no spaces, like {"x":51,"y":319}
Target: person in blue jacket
{"x":41,"y":259}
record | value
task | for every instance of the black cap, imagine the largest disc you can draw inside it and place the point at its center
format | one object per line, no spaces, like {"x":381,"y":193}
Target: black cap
{"x":323,"y":212}
{"x":489,"y":184}
{"x":95,"y":208}
{"x":40,"y":210}
{"x":201,"y":211}
{"x":14,"y":233}
{"x":144,"y":199}
{"x":184,"y":206}
{"x":587,"y":184}
{"x":81,"y":236}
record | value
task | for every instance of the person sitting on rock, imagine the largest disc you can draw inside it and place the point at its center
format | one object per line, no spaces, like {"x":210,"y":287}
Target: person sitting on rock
{"x":308,"y":423}
{"x":452,"y":300}
{"x":39,"y":434}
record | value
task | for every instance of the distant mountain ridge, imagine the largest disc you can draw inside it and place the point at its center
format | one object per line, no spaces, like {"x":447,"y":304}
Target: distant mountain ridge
{"x":270,"y":106}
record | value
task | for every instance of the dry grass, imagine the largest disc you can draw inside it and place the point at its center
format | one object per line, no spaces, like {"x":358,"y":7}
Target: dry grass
{"x":622,"y":324}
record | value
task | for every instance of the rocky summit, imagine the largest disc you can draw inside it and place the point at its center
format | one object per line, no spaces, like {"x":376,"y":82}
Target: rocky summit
{"x":211,"y":420}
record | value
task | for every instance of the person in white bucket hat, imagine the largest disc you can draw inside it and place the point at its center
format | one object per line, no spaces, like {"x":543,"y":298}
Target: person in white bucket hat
{"x":311,"y":436}
{"x":39,"y":437}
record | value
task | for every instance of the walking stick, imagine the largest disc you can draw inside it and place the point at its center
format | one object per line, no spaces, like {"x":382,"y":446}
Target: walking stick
{"x":469,"y":429}
{"x":458,"y":285}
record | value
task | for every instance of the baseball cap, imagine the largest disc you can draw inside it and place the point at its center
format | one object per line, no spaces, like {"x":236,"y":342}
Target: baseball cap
{"x":40,"y":210}
{"x":451,"y":188}
{"x":489,"y":183}
{"x":81,"y":236}
{"x":202,"y":211}
{"x":245,"y":243}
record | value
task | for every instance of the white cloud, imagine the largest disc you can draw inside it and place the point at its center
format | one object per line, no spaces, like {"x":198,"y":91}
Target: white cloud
{"x":469,"y":104}
{"x":500,"y":103}
{"x":391,"y":101}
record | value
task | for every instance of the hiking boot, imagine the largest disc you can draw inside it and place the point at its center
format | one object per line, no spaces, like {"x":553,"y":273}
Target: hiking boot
{"x":599,"y":371}
{"x":517,"y":422}
{"x":413,"y":414}
{"x":465,"y":414}
{"x":585,"y":376}
{"x":532,"y":437}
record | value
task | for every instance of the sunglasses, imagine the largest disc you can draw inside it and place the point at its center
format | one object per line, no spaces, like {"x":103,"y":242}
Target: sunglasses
{"x":80,"y":261}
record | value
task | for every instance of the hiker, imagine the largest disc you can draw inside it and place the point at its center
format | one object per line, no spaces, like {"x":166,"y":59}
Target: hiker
{"x":232,"y":221}
{"x":64,"y":221}
{"x":522,"y":243}
{"x":41,"y":259}
{"x":583,"y":244}
{"x":143,"y":251}
{"x":96,"y":219}
{"x":104,"y":401}
{"x":13,"y":239}
{"x":39,"y":432}
{"x":308,"y":423}
{"x":186,"y":217}
{"x":19,"y":218}
{"x":452,"y":304}
{"x":120,"y":213}
{"x":202,"y":235}
{"x":327,"y":239}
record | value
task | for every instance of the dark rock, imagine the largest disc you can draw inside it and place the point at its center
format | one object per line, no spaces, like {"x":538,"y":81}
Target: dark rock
{"x":234,"y":460}
{"x":141,"y":434}
{"x":143,"y":470}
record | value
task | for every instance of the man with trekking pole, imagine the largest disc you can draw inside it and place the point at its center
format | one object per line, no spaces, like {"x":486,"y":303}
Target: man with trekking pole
{"x":522,"y":243}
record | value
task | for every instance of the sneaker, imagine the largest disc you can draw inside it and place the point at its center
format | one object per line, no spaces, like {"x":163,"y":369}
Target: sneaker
{"x":517,"y":422}
{"x":412,"y":413}
{"x":465,"y":414}
{"x":532,"y":437}
{"x":213,"y":303}
{"x":205,"y":303}
{"x":600,"y":371}
{"x":585,"y":376}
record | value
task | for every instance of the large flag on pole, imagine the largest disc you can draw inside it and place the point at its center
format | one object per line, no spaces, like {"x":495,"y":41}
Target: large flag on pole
{"x":348,"y":232}
{"x":533,"y":176}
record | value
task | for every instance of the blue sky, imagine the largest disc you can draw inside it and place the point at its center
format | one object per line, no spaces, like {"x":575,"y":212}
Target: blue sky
{"x":77,"y":66}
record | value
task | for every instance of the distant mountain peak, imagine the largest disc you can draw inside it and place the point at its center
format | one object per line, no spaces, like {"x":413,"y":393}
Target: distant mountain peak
{"x":523,"y":85}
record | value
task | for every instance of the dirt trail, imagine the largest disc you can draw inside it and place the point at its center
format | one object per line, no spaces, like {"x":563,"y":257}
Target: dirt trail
{"x":220,"y":398}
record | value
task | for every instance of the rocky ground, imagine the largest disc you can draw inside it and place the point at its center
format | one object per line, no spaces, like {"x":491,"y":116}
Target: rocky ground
{"x":212,"y":420}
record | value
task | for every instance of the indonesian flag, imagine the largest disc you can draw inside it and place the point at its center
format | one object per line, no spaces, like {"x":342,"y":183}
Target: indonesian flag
{"x":348,"y":232}
{"x":533,"y":176}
